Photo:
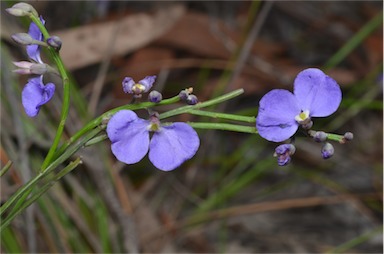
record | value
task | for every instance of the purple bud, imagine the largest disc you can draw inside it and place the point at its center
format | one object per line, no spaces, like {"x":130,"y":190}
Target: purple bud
{"x":22,"y":9}
{"x":307,"y":125}
{"x":283,"y":153}
{"x":192,"y":99}
{"x":183,"y":95}
{"x":348,"y":136}
{"x":327,"y":150}
{"x":320,"y":136}
{"x":23,"y":38}
{"x":55,"y":42}
{"x":155,"y":96}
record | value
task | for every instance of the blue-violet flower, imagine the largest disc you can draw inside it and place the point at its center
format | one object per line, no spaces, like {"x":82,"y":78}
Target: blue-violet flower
{"x":35,"y":94}
{"x":281,"y":112}
{"x":283,"y":153}
{"x":33,"y":51}
{"x":143,"y":86}
{"x":169,"y":146}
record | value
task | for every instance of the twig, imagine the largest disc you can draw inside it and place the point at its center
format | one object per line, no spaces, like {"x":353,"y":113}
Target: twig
{"x":258,"y":208}
{"x":95,"y":96}
{"x":246,"y":49}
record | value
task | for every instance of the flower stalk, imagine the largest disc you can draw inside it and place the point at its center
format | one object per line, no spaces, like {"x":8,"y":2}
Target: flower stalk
{"x":66,"y":93}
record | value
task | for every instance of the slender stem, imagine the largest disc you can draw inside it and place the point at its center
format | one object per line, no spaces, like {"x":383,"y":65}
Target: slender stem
{"x":6,"y":168}
{"x":217,"y":100}
{"x":343,"y":52}
{"x":335,"y":137}
{"x":66,"y":94}
{"x":224,"y":127}
{"x":38,"y":194}
{"x":29,"y":185}
{"x":247,"y":119}
{"x":20,"y":192}
{"x":96,"y":140}
{"x":104,"y":117}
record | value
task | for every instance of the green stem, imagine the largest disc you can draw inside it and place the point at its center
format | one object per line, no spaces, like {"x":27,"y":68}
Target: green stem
{"x":30,"y":185}
{"x":6,"y":168}
{"x":217,"y":100}
{"x":354,"y":41}
{"x":335,"y":137}
{"x":97,"y":121}
{"x":247,"y":119}
{"x":224,"y":127}
{"x":104,"y":117}
{"x":38,"y":194}
{"x":66,"y":94}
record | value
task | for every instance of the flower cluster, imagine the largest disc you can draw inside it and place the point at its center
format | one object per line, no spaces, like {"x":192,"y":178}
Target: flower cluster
{"x":281,"y":112}
{"x":137,"y":89}
{"x":170,"y":144}
{"x":35,"y":93}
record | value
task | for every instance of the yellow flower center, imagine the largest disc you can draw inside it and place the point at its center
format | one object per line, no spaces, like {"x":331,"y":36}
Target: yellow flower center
{"x":138,"y":88}
{"x":303,"y":117}
{"x":153,"y":127}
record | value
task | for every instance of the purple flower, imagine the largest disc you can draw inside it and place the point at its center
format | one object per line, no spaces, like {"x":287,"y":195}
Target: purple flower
{"x":143,"y":86}
{"x":281,"y":112}
{"x":169,"y":146}
{"x":33,"y":51}
{"x":327,"y":151}
{"x":35,"y":94}
{"x":283,"y":153}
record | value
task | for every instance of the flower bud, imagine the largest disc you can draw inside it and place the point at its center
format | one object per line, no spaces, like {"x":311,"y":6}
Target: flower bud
{"x":320,"y":136}
{"x":192,"y":99}
{"x":24,"y":67}
{"x":22,"y":9}
{"x":183,"y":95}
{"x":23,"y":38}
{"x":39,"y":69}
{"x":327,"y":150}
{"x":283,"y":153}
{"x":348,"y":136}
{"x":55,"y":42}
{"x":155,"y":96}
{"x":307,"y":125}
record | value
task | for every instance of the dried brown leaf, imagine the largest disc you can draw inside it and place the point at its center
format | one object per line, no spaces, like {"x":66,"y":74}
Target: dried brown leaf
{"x":86,"y":45}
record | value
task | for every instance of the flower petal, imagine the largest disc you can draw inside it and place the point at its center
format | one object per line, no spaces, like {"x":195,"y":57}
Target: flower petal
{"x":317,"y":92}
{"x":33,"y":51}
{"x":129,"y":136}
{"x":35,"y":94}
{"x":128,"y":83}
{"x":172,"y":145}
{"x":49,"y":90}
{"x":276,"y":118}
{"x":147,"y":82}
